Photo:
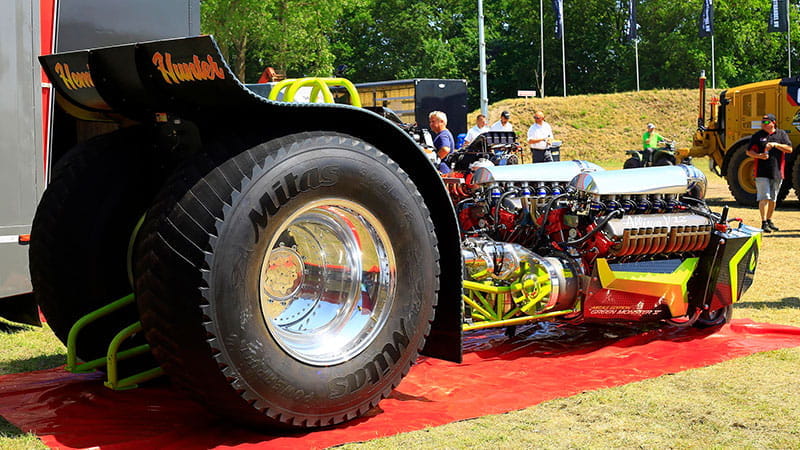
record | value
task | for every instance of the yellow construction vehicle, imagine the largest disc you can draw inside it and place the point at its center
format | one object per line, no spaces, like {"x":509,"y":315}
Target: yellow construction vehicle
{"x":733,"y":117}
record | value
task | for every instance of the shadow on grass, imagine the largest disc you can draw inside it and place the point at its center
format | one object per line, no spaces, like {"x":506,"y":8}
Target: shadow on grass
{"x":8,"y":430}
{"x":37,"y":363}
{"x":720,"y":201}
{"x":785,"y":303}
{"x":11,"y":328}
{"x":787,"y":205}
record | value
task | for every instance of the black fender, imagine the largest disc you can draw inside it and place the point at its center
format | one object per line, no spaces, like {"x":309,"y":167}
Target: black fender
{"x":188,"y":79}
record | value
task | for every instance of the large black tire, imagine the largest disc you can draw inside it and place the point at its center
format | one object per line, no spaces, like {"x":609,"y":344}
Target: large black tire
{"x":237,"y":275}
{"x":740,"y":178}
{"x":786,"y":186}
{"x":632,"y":163}
{"x":663,"y":159}
{"x":793,"y":180}
{"x":81,"y":232}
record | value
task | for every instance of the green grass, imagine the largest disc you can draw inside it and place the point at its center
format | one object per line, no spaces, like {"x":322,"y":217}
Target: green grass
{"x":750,"y":402}
{"x":23,"y":349}
{"x":603,"y":126}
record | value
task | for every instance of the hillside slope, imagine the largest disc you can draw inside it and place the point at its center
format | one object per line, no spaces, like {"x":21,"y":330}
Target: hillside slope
{"x":603,"y":126}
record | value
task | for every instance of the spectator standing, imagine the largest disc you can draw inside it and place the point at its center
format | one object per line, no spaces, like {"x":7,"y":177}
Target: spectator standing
{"x":504,"y":123}
{"x":650,"y":140}
{"x":443,"y":142}
{"x":479,"y":128}
{"x":539,"y":136}
{"x":768,"y":148}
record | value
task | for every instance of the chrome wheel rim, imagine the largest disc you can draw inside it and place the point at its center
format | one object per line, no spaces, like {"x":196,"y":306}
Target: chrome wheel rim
{"x":327,"y":282}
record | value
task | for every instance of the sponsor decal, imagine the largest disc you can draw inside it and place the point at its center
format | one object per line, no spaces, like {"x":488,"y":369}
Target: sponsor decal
{"x":796,"y":120}
{"x":193,"y":70}
{"x":73,"y":80}
{"x":288,"y":187}
{"x":373,"y":370}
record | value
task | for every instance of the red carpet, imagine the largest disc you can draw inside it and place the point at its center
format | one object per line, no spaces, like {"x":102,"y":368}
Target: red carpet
{"x":542,"y":362}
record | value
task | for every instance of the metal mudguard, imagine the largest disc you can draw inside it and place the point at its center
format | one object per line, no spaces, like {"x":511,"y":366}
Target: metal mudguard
{"x":189,"y":79}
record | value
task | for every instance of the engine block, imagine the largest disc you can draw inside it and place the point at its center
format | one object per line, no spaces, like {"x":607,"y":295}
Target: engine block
{"x":571,"y":240}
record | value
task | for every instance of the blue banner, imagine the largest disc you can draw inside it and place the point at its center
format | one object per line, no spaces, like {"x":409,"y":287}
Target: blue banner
{"x":631,"y":27}
{"x":707,"y":19}
{"x":558,"y":9}
{"x":777,"y":17}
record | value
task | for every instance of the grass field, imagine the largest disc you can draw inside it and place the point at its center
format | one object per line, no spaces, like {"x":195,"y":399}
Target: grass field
{"x":750,"y":402}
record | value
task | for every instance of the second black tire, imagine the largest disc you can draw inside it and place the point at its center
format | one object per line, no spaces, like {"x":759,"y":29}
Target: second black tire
{"x":290,"y":282}
{"x":81,"y":232}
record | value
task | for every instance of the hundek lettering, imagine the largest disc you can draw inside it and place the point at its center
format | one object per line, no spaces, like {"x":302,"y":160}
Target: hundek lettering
{"x":195,"y":70}
{"x":73,"y":80}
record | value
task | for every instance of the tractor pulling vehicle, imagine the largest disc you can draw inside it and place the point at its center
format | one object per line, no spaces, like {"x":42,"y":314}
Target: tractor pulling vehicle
{"x":289,"y":262}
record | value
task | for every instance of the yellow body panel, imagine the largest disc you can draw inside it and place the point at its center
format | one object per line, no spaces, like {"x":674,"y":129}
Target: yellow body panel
{"x":670,"y":287}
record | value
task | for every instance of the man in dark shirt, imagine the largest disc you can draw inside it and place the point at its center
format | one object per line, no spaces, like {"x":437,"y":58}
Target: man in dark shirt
{"x":443,"y":143}
{"x":768,"y":147}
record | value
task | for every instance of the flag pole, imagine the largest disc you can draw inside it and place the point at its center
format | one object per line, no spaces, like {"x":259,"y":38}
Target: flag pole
{"x":563,"y":57}
{"x":482,"y":56}
{"x":713,"y":75}
{"x":789,"y":38}
{"x":636,"y":52}
{"x":541,"y":42}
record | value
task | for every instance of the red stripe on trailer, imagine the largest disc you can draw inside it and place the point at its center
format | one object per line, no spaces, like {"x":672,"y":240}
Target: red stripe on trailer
{"x":47,"y":36}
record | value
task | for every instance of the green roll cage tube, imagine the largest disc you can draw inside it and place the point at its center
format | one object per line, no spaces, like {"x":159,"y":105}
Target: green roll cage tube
{"x":320,"y":85}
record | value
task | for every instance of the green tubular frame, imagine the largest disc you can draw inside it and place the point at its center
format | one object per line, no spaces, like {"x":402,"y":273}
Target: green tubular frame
{"x":292,"y":85}
{"x":487,"y":302}
{"x":114,"y":355}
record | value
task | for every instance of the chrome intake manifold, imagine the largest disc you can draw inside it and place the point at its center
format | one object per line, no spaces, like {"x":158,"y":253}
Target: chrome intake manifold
{"x":653,"y":234}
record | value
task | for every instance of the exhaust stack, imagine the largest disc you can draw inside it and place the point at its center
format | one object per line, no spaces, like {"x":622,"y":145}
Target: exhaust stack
{"x":701,"y":117}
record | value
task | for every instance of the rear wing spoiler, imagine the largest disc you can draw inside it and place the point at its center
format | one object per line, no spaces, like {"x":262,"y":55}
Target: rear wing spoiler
{"x":139,"y":81}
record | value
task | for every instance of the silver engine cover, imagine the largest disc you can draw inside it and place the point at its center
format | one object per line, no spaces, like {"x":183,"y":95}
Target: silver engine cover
{"x":680,"y":179}
{"x":561,"y":171}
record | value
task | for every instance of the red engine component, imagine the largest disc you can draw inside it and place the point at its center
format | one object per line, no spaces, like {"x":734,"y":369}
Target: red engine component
{"x":597,"y":246}
{"x":556,"y":226}
{"x":458,"y":185}
{"x":478,"y":216}
{"x":472,"y":217}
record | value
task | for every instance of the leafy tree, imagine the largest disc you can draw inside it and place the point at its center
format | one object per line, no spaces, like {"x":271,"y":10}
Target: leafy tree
{"x":290,"y":35}
{"x":393,"y":39}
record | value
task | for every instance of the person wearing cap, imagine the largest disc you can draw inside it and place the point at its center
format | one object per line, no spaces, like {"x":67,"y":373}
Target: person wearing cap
{"x":479,"y":128}
{"x":539,"y":136}
{"x":503,"y":124}
{"x":443,"y":143}
{"x":768,"y":148}
{"x":650,"y":140}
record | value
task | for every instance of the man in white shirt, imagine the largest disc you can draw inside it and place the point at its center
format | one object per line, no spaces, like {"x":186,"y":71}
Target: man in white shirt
{"x":503,"y":124}
{"x":479,"y":128}
{"x":539,"y":136}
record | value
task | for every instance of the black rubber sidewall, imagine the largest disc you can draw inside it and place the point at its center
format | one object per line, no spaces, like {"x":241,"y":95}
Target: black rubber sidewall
{"x":254,"y":358}
{"x":742,"y":197}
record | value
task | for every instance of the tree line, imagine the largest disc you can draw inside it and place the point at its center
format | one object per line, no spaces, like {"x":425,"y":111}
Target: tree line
{"x":391,"y":39}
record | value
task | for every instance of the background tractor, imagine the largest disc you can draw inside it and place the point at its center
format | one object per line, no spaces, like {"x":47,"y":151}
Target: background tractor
{"x":733,"y":118}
